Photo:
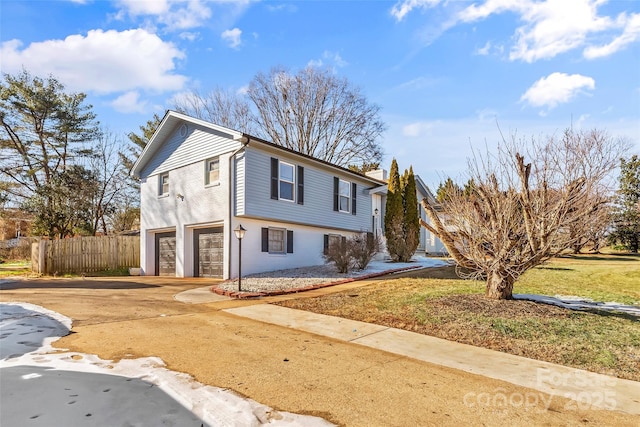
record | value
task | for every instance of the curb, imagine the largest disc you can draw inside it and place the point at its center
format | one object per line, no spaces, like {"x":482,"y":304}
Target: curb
{"x":247,"y":295}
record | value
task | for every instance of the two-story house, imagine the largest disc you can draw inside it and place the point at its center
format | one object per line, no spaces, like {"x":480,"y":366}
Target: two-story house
{"x":200,"y":181}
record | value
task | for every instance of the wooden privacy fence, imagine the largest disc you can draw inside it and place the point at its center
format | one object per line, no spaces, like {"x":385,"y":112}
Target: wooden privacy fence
{"x":85,"y":254}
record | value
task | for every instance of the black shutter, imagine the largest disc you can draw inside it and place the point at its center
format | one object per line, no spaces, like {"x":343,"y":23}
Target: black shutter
{"x":300,"y":185}
{"x":325,"y":248}
{"x":336,"y":193}
{"x":274,"y":178}
{"x":353,"y":198}
{"x":289,"y":241}
{"x":265,"y":239}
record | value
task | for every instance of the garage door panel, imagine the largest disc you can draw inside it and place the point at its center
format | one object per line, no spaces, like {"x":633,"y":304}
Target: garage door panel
{"x":209,"y":253}
{"x":166,"y":254}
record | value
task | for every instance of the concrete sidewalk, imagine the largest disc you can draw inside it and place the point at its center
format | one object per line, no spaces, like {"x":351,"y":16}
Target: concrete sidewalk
{"x":586,"y":388}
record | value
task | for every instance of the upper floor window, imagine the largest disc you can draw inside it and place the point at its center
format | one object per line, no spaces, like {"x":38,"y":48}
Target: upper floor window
{"x":287,"y":181}
{"x":163,"y":184}
{"x":344,"y":195}
{"x":212,"y":171}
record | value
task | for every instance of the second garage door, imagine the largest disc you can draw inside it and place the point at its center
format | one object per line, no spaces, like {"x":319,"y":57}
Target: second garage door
{"x":208,"y":252}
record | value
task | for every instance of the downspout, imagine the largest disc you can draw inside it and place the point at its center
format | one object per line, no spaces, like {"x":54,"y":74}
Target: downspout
{"x":244,"y":140}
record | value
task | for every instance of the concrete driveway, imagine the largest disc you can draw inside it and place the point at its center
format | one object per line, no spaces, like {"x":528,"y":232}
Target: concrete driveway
{"x":287,"y":369}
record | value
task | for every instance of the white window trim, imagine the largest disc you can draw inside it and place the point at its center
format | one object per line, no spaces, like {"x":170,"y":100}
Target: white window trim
{"x":206,"y":172}
{"x":340,"y":196}
{"x":284,"y":241}
{"x":293,"y":182}
{"x":161,"y":192}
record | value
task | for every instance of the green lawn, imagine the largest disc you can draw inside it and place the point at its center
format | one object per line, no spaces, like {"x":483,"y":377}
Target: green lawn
{"x":439,"y":304}
{"x":599,"y":277}
{"x":15,"y":268}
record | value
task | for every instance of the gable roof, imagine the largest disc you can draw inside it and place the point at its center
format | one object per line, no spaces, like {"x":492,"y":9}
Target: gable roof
{"x":167,"y":126}
{"x":172,"y":119}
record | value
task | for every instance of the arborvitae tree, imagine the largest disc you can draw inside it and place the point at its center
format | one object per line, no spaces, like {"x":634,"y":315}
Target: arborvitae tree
{"x":411,"y":220}
{"x":394,"y":214}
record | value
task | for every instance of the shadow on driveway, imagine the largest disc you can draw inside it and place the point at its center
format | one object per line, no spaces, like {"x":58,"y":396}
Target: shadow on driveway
{"x":37,"y":396}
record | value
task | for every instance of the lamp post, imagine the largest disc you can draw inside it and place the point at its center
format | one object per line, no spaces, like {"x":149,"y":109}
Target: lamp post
{"x":375,"y":222}
{"x":239,"y":231}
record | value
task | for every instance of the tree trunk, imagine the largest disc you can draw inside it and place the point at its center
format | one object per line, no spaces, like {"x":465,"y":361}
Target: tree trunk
{"x":499,"y":285}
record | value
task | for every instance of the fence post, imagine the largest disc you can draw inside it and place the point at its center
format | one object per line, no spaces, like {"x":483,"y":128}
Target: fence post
{"x":39,"y":257}
{"x":35,"y":257}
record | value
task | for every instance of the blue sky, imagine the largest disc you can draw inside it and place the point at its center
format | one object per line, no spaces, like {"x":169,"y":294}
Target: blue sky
{"x":446,"y":73}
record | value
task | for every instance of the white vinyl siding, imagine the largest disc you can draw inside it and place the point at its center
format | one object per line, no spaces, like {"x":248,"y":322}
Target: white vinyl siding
{"x":317,"y":209}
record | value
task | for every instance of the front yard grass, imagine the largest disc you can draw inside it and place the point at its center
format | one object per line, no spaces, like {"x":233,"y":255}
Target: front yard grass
{"x":15,"y":268}
{"x":439,"y":304}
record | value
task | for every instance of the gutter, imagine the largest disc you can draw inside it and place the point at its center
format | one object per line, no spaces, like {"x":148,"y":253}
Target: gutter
{"x":244,"y":139}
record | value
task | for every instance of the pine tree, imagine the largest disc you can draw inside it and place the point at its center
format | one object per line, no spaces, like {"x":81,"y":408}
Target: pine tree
{"x":626,"y":218}
{"x":411,"y":222}
{"x":394,"y":213}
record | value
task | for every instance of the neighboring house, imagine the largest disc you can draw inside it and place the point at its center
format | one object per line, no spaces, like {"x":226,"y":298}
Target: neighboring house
{"x":200,"y":181}
{"x":429,"y":243}
{"x":14,"y":224}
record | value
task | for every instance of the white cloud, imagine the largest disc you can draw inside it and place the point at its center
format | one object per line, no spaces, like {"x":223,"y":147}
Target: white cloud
{"x":630,"y":34}
{"x":129,"y":102}
{"x":404,"y":7}
{"x":556,"y":26}
{"x":483,"y":51}
{"x":102,"y":61}
{"x":547,"y":28}
{"x":190,"y":36}
{"x":181,"y":14}
{"x":557,"y":88}
{"x":421,"y":128}
{"x":551,"y":27}
{"x":232,"y":37}
{"x":331,"y":59}
{"x":418,"y":83}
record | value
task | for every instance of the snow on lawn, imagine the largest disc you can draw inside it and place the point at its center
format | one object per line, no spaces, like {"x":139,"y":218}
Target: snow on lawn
{"x":26,"y":334}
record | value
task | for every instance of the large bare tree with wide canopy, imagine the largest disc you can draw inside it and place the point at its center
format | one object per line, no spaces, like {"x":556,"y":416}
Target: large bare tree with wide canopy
{"x":522,"y":204}
{"x":312,"y":111}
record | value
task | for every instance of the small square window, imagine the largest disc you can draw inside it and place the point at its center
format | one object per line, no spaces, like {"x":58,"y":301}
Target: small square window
{"x":276,"y":240}
{"x":163,"y":187}
{"x":212,"y":171}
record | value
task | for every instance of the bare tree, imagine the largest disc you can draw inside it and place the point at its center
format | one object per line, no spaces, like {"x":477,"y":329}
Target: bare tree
{"x":523,"y":203}
{"x":219,"y":106}
{"x":110,"y":182}
{"x":317,"y":113}
{"x":590,"y":232}
{"x":312,"y":111}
